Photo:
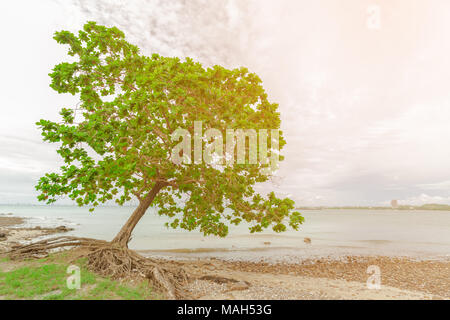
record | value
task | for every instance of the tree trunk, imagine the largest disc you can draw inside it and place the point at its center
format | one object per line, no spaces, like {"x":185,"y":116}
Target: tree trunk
{"x":124,"y":235}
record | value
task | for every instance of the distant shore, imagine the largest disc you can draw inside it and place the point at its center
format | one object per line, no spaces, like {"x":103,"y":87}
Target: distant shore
{"x":346,"y":278}
{"x":425,"y":207}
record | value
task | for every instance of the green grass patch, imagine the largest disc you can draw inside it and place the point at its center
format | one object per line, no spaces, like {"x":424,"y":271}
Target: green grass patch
{"x":48,"y":281}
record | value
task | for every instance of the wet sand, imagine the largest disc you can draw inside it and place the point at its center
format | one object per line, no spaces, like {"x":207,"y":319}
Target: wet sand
{"x":8,"y":221}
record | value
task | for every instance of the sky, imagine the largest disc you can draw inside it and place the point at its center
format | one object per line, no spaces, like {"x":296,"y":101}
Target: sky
{"x":365,"y":107}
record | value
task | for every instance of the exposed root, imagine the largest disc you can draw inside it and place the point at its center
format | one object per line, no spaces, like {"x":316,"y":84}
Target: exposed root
{"x":42,"y":248}
{"x":119,"y":263}
{"x":113,"y":261}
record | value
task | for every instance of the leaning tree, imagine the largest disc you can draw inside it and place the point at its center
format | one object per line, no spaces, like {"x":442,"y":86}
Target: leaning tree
{"x":117,"y":144}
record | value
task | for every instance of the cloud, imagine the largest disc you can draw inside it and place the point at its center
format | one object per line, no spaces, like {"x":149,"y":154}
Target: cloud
{"x":209,"y":31}
{"x":424,"y":199}
{"x":365,"y":114}
{"x":443,"y":185}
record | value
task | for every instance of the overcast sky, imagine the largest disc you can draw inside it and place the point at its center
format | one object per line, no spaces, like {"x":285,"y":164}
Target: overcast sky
{"x":365,"y":111}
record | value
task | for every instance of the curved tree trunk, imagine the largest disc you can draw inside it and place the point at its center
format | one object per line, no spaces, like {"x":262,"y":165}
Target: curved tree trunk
{"x":124,"y":235}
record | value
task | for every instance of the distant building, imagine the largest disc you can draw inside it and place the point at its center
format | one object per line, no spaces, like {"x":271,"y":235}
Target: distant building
{"x":394,"y":204}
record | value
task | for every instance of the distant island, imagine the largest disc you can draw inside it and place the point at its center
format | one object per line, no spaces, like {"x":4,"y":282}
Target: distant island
{"x":429,"y":206}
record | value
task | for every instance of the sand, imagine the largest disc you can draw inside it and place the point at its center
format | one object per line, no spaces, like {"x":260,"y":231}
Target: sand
{"x":286,"y":287}
{"x":8,"y":221}
{"x":322,"y":279}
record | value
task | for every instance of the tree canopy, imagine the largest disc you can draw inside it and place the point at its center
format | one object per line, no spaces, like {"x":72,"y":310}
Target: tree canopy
{"x":117,"y":143}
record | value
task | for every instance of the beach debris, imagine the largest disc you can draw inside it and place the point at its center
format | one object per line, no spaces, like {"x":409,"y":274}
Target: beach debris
{"x":63,"y":229}
{"x":59,"y":229}
{"x":267,"y":243}
{"x":218,"y":279}
{"x":307,"y":240}
{"x":2,"y":235}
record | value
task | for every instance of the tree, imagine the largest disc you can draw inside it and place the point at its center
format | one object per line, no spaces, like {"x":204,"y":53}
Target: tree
{"x":117,"y":143}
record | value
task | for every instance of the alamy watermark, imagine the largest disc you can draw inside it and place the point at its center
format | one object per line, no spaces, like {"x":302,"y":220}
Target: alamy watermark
{"x":74,"y":280}
{"x":210,"y":147}
{"x":374,"y":280}
{"x":373,"y":21}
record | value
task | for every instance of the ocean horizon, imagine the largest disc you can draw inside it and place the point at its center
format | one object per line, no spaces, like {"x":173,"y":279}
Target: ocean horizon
{"x":334,"y":233}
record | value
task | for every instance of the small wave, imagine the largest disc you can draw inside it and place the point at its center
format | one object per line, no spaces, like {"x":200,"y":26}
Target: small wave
{"x":377,"y":241}
{"x":212,"y":250}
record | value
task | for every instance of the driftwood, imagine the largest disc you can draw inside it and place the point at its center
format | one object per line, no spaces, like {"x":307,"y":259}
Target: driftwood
{"x":111,"y":260}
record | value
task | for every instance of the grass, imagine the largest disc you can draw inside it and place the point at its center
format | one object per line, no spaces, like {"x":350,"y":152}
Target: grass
{"x":5,"y":259}
{"x":46,"y":279}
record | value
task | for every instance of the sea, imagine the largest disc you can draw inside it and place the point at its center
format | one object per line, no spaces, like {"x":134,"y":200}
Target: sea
{"x":334,"y":233}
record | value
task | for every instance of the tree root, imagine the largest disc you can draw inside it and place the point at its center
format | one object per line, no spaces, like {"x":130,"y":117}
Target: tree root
{"x":108,"y":259}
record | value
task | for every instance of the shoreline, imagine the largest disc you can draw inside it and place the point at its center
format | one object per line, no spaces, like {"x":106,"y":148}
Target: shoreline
{"x":13,"y":233}
{"x":322,"y":278}
{"x":280,"y":255}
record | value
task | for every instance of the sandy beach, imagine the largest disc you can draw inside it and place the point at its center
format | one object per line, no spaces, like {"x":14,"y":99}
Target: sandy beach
{"x":344,"y":278}
{"x":321,"y":279}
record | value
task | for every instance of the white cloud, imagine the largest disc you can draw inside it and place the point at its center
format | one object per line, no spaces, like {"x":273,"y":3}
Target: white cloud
{"x":424,"y":199}
{"x":443,"y":185}
{"x":365,"y":116}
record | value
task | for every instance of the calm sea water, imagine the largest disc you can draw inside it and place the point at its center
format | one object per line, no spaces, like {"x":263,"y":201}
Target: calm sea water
{"x":424,"y":234}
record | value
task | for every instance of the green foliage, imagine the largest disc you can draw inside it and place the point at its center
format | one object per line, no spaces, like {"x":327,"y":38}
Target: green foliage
{"x":117,"y":145}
